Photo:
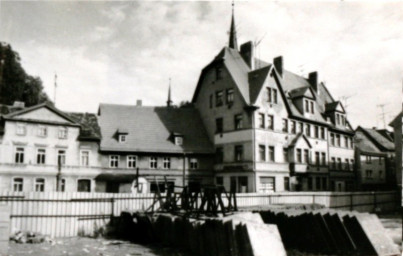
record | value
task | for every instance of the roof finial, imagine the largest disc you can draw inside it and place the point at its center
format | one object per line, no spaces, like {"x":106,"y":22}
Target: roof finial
{"x":169,"y":101}
{"x":233,"y":43}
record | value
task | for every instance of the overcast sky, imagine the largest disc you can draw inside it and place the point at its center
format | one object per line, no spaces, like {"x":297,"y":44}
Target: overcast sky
{"x":118,"y":52}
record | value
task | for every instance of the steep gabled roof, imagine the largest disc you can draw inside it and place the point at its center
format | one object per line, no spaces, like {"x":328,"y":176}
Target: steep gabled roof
{"x":397,"y":120}
{"x":302,"y":92}
{"x":256,"y":80}
{"x":150,"y":129}
{"x":297,"y":138}
{"x":382,"y":143}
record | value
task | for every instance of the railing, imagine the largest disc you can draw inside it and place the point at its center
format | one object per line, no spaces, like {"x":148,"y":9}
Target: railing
{"x":67,"y":214}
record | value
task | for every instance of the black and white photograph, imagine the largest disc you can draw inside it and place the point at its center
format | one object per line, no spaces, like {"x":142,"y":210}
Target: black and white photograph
{"x":201,"y":128}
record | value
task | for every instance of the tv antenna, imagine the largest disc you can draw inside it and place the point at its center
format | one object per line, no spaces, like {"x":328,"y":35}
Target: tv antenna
{"x":344,"y":100}
{"x":383,"y":113}
{"x":256,"y":43}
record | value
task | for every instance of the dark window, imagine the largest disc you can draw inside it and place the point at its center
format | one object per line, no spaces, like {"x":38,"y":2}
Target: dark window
{"x":317,"y":158}
{"x":285,"y":125}
{"x":285,"y":154}
{"x":218,"y":73}
{"x":19,"y":155}
{"x":332,"y":139}
{"x":242,"y":184}
{"x":306,"y":156}
{"x":262,"y":153}
{"x":334,"y":162}
{"x":61,"y":157}
{"x":293,"y":127}
{"x":233,"y":184}
{"x":301,"y":127}
{"x":312,"y":107}
{"x":338,"y":140}
{"x":62,"y":185}
{"x":272,"y":154}
{"x":308,"y":130}
{"x":39,"y":185}
{"x":316,"y":131}
{"x":230,"y":96}
{"x":346,"y":141}
{"x":18,"y":184}
{"x":238,"y":122}
{"x":211,"y":100}
{"x":322,"y":133}
{"x":339,"y":163}
{"x":219,"y":154}
{"x":154,"y":187}
{"x":41,"y":156}
{"x":261,"y":120}
{"x":219,"y":98}
{"x":270,"y":122}
{"x":299,"y":155}
{"x":307,"y":106}
{"x":323,"y":158}
{"x":286,"y":183}
{"x":219,"y":181}
{"x":271,"y":95}
{"x":309,"y":183}
{"x":347,"y":165}
{"x":84,"y":185}
{"x":317,"y":183}
{"x":219,"y":125}
{"x":238,"y":153}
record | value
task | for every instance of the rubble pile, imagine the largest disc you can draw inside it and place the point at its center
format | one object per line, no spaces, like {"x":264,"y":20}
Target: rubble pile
{"x":24,"y":237}
{"x":332,"y":232}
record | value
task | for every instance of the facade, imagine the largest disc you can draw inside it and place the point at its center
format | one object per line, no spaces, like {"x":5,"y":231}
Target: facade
{"x":272,"y":130}
{"x":397,"y":125}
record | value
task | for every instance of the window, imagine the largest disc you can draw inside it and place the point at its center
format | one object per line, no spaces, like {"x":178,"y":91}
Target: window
{"x":166,"y":163}
{"x":238,"y":153}
{"x":272,"y":154}
{"x":351,"y":143}
{"x":262,"y":153}
{"x":219,"y":98}
{"x":113,"y":161}
{"x":267,"y":184}
{"x":324,"y":183}
{"x":84,"y":185}
{"x":332,"y":139}
{"x":322,"y":133}
{"x":339,"y":163}
{"x":310,"y":183}
{"x":368,"y":159}
{"x":40,"y":156}
{"x":261,"y":120}
{"x":293,"y":127}
{"x":347,"y":167}
{"x":317,"y":158}
{"x":346,"y":141}
{"x":122,"y":138}
{"x":306,"y":156}
{"x":193,"y":163}
{"x":299,"y":155}
{"x":308,"y":130}
{"x":219,"y":125}
{"x":285,"y":154}
{"x":84,"y":157}
{"x":238,"y":122}
{"x":18,"y":184}
{"x":218,"y":73}
{"x":21,"y":129}
{"x":285,"y":125}
{"x":287,"y":183}
{"x":306,"y":106}
{"x":211,"y":101}
{"x":62,"y":133}
{"x":368,"y":174}
{"x":219,"y":155}
{"x":19,"y":155}
{"x":316,"y":135}
{"x":337,"y":119}
{"x":62,"y":185}
{"x":270,"y":122}
{"x":230,"y":96}
{"x":301,"y":127}
{"x":333,"y":162}
{"x":42,"y":131}
{"x":219,"y":181}
{"x":242,"y":184}
{"x":39,"y":185}
{"x":153,"y":163}
{"x":271,"y":95}
{"x":61,"y":157}
{"x":323,"y":158}
{"x":131,"y":161}
{"x":312,"y":107}
{"x":178,"y":140}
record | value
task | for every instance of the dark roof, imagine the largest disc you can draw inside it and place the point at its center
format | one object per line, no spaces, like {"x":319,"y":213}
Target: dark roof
{"x":256,"y":80}
{"x":377,"y":139}
{"x":300,"y":92}
{"x":297,"y":138}
{"x":387,"y":134}
{"x":150,"y":129}
{"x":397,"y":120}
{"x":90,"y":129}
{"x":330,"y":107}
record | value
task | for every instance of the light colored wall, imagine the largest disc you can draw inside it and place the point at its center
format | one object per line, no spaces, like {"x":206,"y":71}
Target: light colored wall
{"x":376,"y":166}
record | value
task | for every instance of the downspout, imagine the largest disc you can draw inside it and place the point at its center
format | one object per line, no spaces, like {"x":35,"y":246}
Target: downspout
{"x":184,"y":170}
{"x":253,"y":150}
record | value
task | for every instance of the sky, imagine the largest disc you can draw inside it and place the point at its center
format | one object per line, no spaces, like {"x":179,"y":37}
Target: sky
{"x":118,"y":52}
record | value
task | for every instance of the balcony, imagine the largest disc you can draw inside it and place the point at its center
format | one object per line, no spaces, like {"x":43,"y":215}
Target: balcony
{"x":304,"y":168}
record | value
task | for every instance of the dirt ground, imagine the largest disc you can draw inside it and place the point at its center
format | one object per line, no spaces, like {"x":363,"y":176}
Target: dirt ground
{"x":81,"y":246}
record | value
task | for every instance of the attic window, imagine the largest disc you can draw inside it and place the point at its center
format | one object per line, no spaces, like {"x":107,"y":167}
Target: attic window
{"x":309,"y":106}
{"x":178,"y":140}
{"x":271,"y":95}
{"x":122,"y":138}
{"x":218,"y":73}
{"x":230,"y":96}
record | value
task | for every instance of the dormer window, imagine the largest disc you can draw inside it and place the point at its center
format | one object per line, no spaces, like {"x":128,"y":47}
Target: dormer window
{"x":122,"y":138}
{"x":309,"y":106}
{"x":178,"y":139}
{"x":271,"y":95}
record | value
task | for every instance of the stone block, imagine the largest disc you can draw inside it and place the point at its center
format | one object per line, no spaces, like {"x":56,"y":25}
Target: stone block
{"x":264,"y":240}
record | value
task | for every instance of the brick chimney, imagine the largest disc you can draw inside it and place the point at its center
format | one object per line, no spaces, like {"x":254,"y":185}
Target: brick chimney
{"x":279,"y":65}
{"x":247,"y":53}
{"x":139,"y":103}
{"x":313,"y":80}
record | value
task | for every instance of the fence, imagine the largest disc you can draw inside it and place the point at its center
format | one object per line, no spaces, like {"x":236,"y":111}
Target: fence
{"x":66,"y":214}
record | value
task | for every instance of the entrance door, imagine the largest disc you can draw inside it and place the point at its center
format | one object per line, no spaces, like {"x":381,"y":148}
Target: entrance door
{"x":340,"y":186}
{"x":112,"y":187}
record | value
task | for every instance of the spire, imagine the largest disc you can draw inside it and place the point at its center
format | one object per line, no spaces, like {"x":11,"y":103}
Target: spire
{"x":169,"y":101}
{"x":233,"y":43}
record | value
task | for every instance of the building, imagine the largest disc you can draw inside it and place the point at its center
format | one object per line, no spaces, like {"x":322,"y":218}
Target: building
{"x":273,"y":130}
{"x":375,"y":164}
{"x":397,"y":125}
{"x":45,"y":149}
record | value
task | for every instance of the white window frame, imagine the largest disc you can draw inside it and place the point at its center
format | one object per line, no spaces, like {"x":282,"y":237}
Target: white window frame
{"x":14,"y":183}
{"x":122,"y":138}
{"x":166,"y":163}
{"x":62,"y":133}
{"x":113,"y":159}
{"x":131,"y":160}
{"x":42,"y":154}
{"x":59,"y":155}
{"x":19,"y":153}
{"x":81,"y":158}
{"x":36,"y":184}
{"x":44,"y":129}
{"x":153,"y":162}
{"x":21,"y":129}
{"x":178,"y":140}
{"x":194,"y":163}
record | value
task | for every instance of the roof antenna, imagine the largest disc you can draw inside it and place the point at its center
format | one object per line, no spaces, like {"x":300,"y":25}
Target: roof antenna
{"x":257,"y":50}
{"x":54,"y":96}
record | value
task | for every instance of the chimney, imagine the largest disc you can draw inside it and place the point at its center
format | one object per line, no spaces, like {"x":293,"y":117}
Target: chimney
{"x":247,"y":53}
{"x":278,"y":65}
{"x":139,"y":103}
{"x":313,"y":80}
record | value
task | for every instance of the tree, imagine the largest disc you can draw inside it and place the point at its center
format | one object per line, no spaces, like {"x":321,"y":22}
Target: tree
{"x":15,"y":83}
